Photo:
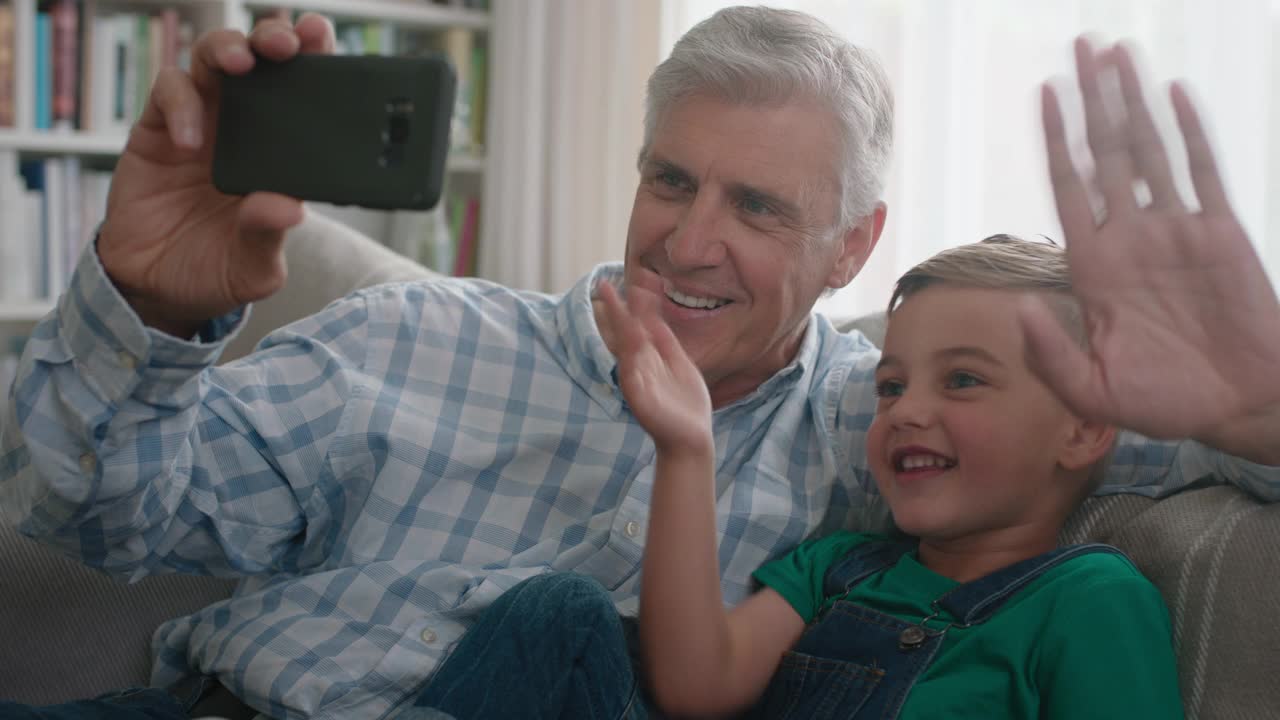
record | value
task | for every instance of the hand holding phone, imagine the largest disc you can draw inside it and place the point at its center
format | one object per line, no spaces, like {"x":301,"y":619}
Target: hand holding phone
{"x":350,"y":130}
{"x":177,"y":249}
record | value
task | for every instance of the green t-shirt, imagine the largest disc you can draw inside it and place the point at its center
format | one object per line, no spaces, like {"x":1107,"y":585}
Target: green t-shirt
{"x":1090,"y":638}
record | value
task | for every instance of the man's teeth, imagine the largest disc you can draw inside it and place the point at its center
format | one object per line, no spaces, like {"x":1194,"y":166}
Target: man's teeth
{"x":914,"y":462}
{"x":690,"y":301}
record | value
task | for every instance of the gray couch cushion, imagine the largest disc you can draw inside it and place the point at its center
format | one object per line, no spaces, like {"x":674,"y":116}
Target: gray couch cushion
{"x":1212,"y":553}
{"x":70,"y":632}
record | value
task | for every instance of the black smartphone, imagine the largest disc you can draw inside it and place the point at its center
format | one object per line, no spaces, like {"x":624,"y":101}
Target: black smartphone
{"x":350,"y":130}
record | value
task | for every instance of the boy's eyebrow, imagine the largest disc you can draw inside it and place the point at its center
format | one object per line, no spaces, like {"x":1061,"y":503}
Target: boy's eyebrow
{"x":959,"y":351}
{"x":970,"y":351}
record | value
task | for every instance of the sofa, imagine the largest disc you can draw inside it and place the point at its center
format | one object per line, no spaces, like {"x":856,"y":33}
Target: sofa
{"x":68,"y":632}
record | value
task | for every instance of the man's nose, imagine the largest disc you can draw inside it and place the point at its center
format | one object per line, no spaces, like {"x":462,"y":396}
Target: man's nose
{"x":697,"y":240}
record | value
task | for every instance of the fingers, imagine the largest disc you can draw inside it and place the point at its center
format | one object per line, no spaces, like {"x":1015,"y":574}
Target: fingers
{"x":315,"y":33}
{"x":176,"y":106}
{"x":1204,"y":169}
{"x":218,"y":52}
{"x":1057,"y":359}
{"x":669,"y":347}
{"x":1069,"y":192}
{"x":1107,"y":139}
{"x":1145,"y":145}
{"x":275,"y":39}
{"x":625,"y":329}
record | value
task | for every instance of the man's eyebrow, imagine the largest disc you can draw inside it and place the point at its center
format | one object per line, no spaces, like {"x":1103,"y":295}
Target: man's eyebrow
{"x":959,"y":351}
{"x":655,"y":162}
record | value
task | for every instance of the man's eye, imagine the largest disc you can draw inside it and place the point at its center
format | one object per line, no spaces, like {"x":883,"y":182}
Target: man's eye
{"x":889,"y":388}
{"x":752,"y":206}
{"x":670,"y":179}
{"x":961,"y":380}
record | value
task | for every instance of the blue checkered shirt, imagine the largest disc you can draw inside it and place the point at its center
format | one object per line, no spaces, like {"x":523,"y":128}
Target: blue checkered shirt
{"x":381,"y":471}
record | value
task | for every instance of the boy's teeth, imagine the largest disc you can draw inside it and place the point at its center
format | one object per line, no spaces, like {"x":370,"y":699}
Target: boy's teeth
{"x":913,"y":462}
{"x":690,"y":301}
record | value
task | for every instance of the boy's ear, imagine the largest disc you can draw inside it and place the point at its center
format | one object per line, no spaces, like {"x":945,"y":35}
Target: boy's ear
{"x":1086,"y":443}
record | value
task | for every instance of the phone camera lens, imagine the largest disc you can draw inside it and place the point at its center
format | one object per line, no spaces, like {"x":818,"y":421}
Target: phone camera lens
{"x":398,"y":129}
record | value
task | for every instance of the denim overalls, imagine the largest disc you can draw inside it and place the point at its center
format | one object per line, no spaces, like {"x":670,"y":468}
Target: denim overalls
{"x":854,"y":663}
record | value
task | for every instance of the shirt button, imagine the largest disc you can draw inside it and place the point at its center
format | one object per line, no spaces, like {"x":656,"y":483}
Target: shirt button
{"x":632,"y":528}
{"x":429,"y":636}
{"x":127,"y":361}
{"x":88,"y":462}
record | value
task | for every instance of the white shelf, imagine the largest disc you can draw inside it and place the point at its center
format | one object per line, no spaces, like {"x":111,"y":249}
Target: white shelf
{"x":24,"y":312}
{"x":418,"y":13}
{"x":75,"y":143}
{"x":465,"y":163}
{"x":61,"y":143}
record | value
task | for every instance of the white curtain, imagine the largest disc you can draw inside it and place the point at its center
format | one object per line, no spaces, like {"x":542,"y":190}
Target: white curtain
{"x":969,"y":157}
{"x":566,"y":110}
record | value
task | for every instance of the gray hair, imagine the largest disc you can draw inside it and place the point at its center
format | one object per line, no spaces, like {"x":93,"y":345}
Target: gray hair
{"x":760,"y":55}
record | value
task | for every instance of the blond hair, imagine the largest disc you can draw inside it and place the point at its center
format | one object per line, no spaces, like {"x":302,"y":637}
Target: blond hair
{"x":1001,"y":262}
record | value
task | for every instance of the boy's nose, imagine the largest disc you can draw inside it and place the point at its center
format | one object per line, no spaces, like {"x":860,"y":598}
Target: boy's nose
{"x":912,"y":410}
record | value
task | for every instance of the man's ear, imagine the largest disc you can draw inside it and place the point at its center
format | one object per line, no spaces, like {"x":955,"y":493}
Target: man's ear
{"x":1087,"y":442}
{"x":856,"y":247}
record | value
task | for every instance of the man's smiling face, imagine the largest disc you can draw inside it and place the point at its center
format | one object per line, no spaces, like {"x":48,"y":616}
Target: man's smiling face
{"x":734,"y":228}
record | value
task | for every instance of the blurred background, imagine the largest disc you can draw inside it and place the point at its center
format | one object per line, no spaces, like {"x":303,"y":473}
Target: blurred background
{"x":548,"y":120}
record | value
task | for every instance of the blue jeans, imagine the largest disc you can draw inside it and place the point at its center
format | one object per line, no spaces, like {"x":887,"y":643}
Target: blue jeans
{"x":552,"y":648}
{"x":133,"y":704}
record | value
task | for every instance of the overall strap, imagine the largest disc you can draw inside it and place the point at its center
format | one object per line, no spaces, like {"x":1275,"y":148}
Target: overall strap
{"x":862,"y":562}
{"x":977,"y":600}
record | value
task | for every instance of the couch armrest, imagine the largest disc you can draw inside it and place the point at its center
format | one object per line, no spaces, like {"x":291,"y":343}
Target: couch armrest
{"x":71,"y":633}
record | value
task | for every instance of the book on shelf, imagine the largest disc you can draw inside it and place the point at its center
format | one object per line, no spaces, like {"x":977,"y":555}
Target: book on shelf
{"x":49,"y":209}
{"x":8,"y":78}
{"x":464,"y":4}
{"x":444,"y":238}
{"x":91,"y":68}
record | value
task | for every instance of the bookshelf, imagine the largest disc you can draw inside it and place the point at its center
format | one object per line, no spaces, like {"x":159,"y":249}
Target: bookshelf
{"x":85,"y":142}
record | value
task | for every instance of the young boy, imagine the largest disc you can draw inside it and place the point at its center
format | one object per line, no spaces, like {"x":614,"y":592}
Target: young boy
{"x":980,"y":614}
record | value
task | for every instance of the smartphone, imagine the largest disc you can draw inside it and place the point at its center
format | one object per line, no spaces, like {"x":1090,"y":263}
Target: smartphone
{"x":360,"y":130}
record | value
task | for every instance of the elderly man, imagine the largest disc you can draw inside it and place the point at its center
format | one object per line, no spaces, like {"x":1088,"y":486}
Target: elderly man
{"x":380,"y":472}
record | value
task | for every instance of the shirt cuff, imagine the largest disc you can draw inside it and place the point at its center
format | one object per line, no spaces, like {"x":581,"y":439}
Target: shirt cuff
{"x":112,"y":348}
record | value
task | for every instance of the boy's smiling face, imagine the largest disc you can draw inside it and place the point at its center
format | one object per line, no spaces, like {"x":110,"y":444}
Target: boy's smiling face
{"x":966,"y":440}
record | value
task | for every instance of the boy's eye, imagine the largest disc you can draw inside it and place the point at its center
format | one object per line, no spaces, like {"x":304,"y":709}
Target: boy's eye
{"x":961,"y":380}
{"x":889,"y":388}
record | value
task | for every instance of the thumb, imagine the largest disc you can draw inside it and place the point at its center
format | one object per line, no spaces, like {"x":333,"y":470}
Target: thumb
{"x":1057,"y":358}
{"x":259,"y":267}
